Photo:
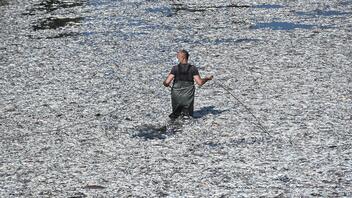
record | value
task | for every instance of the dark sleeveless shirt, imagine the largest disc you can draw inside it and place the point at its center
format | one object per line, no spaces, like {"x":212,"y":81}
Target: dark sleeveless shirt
{"x":184,"y":72}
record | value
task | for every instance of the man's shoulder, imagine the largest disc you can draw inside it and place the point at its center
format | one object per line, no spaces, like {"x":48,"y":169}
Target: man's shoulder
{"x":194,"y":70}
{"x":174,"y":69}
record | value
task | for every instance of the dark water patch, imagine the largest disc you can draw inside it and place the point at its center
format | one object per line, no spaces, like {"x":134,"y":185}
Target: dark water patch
{"x":166,"y":11}
{"x":175,"y":8}
{"x":55,"y":23}
{"x":226,"y":6}
{"x":87,"y":141}
{"x":248,"y":141}
{"x":3,"y":3}
{"x":268,"y":6}
{"x":212,"y":144}
{"x":64,"y":35}
{"x":28,"y":13}
{"x":181,"y":7}
{"x":78,"y":195}
{"x":94,"y":187}
{"x":324,"y":13}
{"x":284,"y":179}
{"x":346,"y":3}
{"x":58,"y":36}
{"x":206,"y":111}
{"x":98,"y":114}
{"x":282,"y":26}
{"x":150,"y":132}
{"x":52,"y":5}
{"x":246,"y":40}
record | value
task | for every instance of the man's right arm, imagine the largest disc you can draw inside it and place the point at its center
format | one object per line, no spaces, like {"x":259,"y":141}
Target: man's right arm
{"x":168,"y":80}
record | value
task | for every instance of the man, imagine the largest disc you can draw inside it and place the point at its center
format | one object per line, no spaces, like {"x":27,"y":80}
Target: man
{"x":183,"y":76}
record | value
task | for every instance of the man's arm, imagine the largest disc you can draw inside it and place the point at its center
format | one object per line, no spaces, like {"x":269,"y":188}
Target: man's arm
{"x":168,"y":80}
{"x":201,"y":81}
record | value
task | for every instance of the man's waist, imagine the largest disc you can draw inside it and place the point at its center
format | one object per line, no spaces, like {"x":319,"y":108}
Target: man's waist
{"x":183,"y":84}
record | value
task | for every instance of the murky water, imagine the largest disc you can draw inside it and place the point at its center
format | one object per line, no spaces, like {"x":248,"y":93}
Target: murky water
{"x":83,"y":112}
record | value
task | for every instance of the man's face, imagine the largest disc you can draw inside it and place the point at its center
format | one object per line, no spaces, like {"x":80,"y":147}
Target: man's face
{"x":180,"y":56}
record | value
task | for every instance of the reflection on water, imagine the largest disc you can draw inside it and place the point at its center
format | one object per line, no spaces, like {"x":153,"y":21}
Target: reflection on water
{"x":325,"y":13}
{"x":54,"y":23}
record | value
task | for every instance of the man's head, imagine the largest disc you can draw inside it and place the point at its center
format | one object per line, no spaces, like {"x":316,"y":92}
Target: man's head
{"x":182,"y":56}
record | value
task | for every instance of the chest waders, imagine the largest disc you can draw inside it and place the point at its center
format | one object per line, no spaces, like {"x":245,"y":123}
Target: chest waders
{"x":182,"y":96}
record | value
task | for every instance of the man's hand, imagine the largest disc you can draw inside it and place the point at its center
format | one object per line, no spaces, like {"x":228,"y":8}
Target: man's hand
{"x":166,"y":84}
{"x":201,"y":81}
{"x":209,"y":77}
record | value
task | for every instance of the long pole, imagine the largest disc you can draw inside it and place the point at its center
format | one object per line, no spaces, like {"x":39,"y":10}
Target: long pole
{"x":245,"y":106}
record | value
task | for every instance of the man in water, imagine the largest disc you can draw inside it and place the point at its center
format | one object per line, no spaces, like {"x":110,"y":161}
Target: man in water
{"x":183,"y":76}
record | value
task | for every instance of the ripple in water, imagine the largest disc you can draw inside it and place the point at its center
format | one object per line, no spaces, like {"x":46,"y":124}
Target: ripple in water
{"x":324,"y":13}
{"x":282,"y":26}
{"x":268,"y":6}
